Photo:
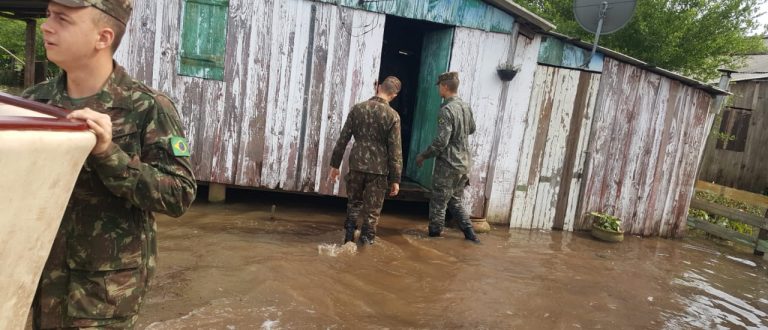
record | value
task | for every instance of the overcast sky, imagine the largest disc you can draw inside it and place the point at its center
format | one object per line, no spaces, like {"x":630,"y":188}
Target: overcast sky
{"x":764,"y":18}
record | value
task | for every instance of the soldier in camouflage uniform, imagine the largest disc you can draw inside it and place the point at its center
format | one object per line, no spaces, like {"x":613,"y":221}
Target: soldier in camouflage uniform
{"x":376,"y":160}
{"x":103,"y":258}
{"x":451,"y":148}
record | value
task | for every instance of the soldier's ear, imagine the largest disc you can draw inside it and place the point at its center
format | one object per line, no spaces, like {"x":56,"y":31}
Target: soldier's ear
{"x":106,"y":38}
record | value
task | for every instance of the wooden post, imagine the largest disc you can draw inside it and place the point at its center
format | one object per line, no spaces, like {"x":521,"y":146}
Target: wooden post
{"x":29,"y":66}
{"x":763,"y":235}
{"x":715,"y":107}
{"x":217,"y":192}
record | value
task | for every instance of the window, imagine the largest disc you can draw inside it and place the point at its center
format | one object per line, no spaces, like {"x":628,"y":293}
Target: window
{"x":734,"y":129}
{"x":203,"y":39}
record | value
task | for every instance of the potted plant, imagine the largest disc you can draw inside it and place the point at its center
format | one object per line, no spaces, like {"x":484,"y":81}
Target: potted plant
{"x":507,"y":71}
{"x":606,"y":227}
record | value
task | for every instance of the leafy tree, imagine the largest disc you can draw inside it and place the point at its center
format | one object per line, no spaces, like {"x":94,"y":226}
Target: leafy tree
{"x":13,"y":38}
{"x":694,"y":37}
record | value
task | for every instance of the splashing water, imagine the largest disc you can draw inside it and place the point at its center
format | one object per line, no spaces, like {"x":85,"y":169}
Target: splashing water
{"x":335,"y":250}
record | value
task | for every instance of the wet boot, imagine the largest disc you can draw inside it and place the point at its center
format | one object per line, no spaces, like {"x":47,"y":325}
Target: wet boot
{"x":469,"y":234}
{"x":349,"y":235}
{"x":434,"y":232}
{"x":367,"y":235}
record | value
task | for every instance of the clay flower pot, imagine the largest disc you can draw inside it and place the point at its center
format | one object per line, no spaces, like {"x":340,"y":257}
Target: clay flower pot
{"x":607,"y":235}
{"x":481,"y":226}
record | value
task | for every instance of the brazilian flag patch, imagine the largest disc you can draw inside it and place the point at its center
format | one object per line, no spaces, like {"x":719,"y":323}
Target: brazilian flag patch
{"x":180,"y":146}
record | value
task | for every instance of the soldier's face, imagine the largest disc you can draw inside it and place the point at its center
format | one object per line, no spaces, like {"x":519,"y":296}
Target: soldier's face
{"x":70,"y":35}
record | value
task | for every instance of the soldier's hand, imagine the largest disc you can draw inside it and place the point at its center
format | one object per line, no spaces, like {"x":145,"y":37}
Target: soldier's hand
{"x":395,"y":190}
{"x":333,"y":174}
{"x":419,"y":161}
{"x":100,"y":124}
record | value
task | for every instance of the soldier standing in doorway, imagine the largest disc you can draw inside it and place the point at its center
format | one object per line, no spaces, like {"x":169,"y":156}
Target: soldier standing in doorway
{"x":103,"y":258}
{"x":453,"y":160}
{"x":376,"y":160}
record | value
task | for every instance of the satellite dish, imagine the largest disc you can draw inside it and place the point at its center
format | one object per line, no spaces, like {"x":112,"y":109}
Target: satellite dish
{"x":602,"y":17}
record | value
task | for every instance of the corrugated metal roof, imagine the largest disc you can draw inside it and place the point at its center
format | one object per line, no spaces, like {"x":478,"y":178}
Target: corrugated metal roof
{"x":631,"y":60}
{"x":756,"y":67}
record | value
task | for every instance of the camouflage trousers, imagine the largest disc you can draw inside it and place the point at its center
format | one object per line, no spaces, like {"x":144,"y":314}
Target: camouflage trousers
{"x":447,"y":193}
{"x":69,"y":298}
{"x":365,"y":194}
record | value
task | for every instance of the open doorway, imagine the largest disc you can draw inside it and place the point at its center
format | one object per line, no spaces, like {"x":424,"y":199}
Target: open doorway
{"x":416,"y":52}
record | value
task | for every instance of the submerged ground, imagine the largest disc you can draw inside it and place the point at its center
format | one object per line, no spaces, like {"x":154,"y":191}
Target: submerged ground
{"x":230,"y":266}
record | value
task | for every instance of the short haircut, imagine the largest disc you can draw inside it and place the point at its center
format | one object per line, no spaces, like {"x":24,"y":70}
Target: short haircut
{"x":104,"y":20}
{"x":451,"y":85}
{"x":391,"y":85}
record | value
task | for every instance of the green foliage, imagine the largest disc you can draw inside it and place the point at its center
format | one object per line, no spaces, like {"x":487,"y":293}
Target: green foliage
{"x":606,"y":221}
{"x":723,"y":221}
{"x":694,"y":37}
{"x":12,"y":38}
{"x":723,"y":136}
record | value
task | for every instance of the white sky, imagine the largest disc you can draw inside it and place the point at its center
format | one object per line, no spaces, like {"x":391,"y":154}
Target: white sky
{"x":764,"y":18}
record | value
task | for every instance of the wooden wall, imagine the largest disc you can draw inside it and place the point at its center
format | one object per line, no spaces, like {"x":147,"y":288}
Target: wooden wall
{"x":647,"y":137}
{"x":748,"y":169}
{"x":293,"y":70}
{"x":497,"y":106}
{"x":556,"y":138}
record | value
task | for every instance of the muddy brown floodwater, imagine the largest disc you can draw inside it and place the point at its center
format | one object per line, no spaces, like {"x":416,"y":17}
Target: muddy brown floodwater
{"x":230,"y":266}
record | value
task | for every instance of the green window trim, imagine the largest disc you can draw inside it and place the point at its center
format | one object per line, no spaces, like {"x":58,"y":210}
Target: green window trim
{"x":203,"y":39}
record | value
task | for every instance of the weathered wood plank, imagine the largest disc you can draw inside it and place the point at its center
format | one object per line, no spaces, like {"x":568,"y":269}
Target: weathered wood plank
{"x":563,"y":95}
{"x":721,"y":232}
{"x":512,"y":130}
{"x":727,"y":192}
{"x":733,"y":214}
{"x":252,"y":126}
{"x":745,"y":170}
{"x":334,"y":114}
{"x":363,"y":68}
{"x":643,"y":162}
{"x":476,"y":55}
{"x":282,"y":57}
{"x":226,"y":151}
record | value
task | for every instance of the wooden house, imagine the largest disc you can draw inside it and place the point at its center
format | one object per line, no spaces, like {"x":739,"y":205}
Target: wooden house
{"x":263,"y":88}
{"x":739,"y":158}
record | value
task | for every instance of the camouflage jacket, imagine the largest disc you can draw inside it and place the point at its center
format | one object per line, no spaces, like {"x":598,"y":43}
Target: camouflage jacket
{"x":377,"y":148}
{"x":108,"y":224}
{"x":455,"y":124}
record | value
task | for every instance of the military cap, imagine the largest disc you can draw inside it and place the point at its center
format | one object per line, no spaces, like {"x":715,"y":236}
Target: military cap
{"x":448,"y":76}
{"x":394,"y":82}
{"x":118,"y":9}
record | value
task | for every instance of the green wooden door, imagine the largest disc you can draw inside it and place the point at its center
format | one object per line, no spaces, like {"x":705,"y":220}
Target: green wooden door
{"x":435,"y":57}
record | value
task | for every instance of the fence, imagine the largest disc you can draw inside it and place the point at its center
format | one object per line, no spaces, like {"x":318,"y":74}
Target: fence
{"x":759,"y":243}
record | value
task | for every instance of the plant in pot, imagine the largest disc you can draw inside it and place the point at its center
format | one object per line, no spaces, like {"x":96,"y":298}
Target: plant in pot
{"x":507,"y":71}
{"x":606,"y":227}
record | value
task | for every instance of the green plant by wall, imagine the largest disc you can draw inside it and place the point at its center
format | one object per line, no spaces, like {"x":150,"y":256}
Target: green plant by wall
{"x":606,"y":221}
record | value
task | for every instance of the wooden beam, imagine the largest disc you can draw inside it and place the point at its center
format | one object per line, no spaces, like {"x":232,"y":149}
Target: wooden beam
{"x":733,"y":214}
{"x":762,"y":240}
{"x":721,"y":232}
{"x":740,"y":195}
{"x":29,"y":65}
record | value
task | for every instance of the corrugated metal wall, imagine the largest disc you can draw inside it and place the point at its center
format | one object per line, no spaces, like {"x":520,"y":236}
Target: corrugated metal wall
{"x":647,"y":137}
{"x":748,"y":169}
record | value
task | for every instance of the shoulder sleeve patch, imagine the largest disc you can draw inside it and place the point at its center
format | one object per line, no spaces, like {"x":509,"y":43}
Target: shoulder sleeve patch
{"x":179,"y":146}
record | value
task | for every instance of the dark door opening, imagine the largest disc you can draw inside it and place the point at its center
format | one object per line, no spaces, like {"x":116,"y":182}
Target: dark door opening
{"x":416,"y":52}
